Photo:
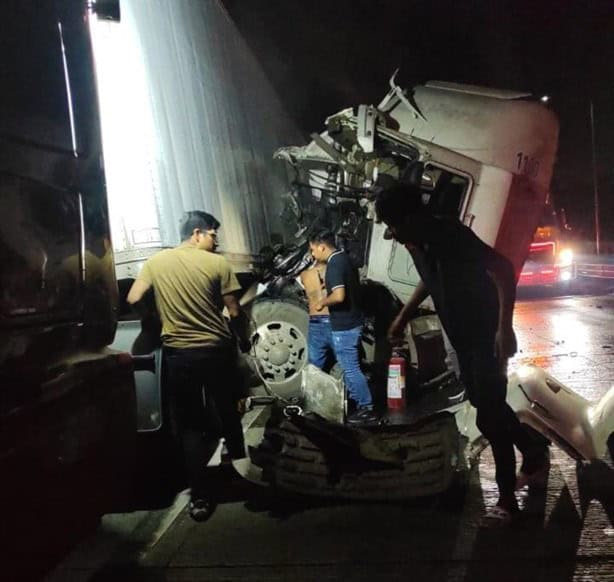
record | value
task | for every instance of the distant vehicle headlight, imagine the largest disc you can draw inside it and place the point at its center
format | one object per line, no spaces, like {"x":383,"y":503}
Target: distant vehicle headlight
{"x":565,"y":258}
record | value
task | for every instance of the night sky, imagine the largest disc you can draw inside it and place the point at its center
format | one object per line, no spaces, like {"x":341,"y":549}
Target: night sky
{"x":325,"y":56}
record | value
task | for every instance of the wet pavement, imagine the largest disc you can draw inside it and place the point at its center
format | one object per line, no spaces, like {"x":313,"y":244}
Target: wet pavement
{"x":565,"y":533}
{"x":572,"y":337}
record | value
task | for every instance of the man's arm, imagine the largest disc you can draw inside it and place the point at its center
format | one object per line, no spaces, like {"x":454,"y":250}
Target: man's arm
{"x":238,"y":321}
{"x":337,"y":296}
{"x":398,"y":325}
{"x":501,"y":271}
{"x":337,"y":273}
{"x":137,"y":291}
{"x":239,"y":326}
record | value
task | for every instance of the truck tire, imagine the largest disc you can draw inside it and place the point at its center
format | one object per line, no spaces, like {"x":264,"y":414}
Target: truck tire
{"x":279,"y":340}
{"x":292,"y":462}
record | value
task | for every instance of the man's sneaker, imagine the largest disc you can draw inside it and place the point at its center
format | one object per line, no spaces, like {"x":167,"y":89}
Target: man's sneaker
{"x":201,"y":509}
{"x":362,"y":416}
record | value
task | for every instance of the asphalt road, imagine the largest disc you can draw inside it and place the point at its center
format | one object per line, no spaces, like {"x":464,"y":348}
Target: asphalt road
{"x":565,"y":533}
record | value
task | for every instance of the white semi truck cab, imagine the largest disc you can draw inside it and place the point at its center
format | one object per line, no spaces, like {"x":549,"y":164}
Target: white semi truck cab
{"x":487,"y":157}
{"x":482,"y":155}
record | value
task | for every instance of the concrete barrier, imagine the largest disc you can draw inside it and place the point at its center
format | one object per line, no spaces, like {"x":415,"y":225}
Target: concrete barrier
{"x":598,"y":266}
{"x":595,"y":270}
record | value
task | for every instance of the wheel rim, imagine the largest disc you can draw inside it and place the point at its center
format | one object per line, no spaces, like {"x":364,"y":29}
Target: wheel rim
{"x":281,"y":351}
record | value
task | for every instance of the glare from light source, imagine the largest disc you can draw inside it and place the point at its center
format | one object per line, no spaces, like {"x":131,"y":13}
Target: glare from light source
{"x":129,"y":137}
{"x":565,"y":276}
{"x":565,"y":258}
{"x":544,"y":99}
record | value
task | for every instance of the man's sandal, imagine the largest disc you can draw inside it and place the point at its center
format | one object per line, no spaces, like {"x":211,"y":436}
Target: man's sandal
{"x":496,"y":517}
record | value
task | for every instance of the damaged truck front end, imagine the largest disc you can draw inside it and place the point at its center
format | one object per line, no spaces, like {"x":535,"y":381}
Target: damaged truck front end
{"x":480,"y":155}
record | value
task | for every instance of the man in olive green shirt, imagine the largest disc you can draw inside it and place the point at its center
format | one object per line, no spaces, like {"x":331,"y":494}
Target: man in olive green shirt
{"x":192,"y":285}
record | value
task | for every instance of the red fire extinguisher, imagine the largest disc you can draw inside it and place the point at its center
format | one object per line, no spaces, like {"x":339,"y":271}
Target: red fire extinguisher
{"x":396,"y":381}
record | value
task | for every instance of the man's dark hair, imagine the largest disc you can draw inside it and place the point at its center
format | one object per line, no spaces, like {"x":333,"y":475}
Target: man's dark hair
{"x":326,"y":237}
{"x":196,"y":219}
{"x":392,"y":204}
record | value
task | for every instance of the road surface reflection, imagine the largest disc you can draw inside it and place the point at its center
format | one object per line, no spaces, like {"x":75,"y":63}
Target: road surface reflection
{"x":572,"y":338}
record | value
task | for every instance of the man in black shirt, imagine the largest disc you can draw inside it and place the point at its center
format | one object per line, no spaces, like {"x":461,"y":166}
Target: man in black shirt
{"x":473,"y":288}
{"x":346,"y":320}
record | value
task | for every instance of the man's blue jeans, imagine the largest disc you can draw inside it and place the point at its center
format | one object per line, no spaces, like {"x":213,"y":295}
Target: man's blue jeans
{"x":346,"y":345}
{"x":319,"y":341}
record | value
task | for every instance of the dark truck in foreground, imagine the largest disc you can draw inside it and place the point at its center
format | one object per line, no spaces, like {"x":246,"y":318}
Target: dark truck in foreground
{"x":67,"y":401}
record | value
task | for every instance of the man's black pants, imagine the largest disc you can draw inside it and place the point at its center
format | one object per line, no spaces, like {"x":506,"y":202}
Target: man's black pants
{"x":199,"y":421}
{"x":486,"y":386}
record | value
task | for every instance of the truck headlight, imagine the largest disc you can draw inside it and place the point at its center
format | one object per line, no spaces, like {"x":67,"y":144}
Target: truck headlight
{"x":565,"y":258}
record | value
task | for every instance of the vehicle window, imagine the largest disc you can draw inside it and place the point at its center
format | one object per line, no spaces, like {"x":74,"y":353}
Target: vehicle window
{"x":40,"y":254}
{"x":444,"y":191}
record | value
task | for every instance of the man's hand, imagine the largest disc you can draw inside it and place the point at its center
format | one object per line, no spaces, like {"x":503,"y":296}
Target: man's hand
{"x":396,"y":331}
{"x":505,"y":344}
{"x":318,"y":306}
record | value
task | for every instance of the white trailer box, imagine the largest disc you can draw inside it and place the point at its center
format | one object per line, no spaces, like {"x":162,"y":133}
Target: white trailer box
{"x":189,"y":122}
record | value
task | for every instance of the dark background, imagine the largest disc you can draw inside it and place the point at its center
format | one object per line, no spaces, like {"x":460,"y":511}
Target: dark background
{"x":324,"y":56}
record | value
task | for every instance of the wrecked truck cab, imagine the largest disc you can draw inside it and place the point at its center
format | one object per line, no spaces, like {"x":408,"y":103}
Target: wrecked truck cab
{"x":486,"y":156}
{"x":482,"y":155}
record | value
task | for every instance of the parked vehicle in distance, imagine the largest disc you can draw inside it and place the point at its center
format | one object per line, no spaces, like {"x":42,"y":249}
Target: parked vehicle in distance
{"x":551,"y":260}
